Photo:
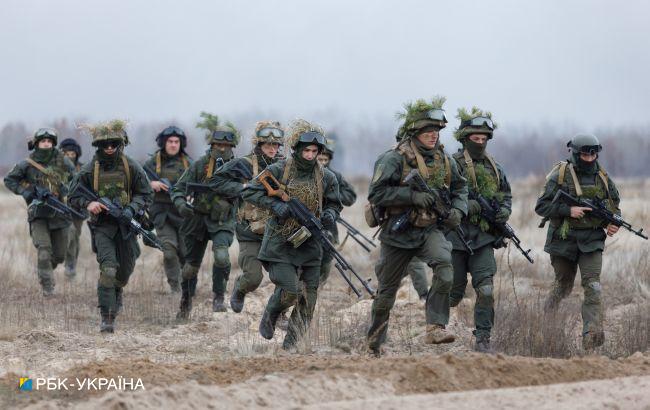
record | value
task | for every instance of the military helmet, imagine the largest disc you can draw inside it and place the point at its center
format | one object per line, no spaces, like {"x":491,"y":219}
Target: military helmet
{"x":585,"y":143}
{"x":475,"y":121}
{"x":306,"y":132}
{"x":114,"y":130}
{"x":268,"y":131}
{"x":215,"y":132}
{"x":171,"y":131}
{"x":70,"y":144}
{"x":41,"y":134}
{"x":330,"y":144}
{"x":422,"y":114}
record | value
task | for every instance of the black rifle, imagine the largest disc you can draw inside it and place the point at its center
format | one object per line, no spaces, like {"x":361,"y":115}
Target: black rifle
{"x":489,"y":210}
{"x":115,"y":211}
{"x":239,"y":170}
{"x":308,"y":221}
{"x":355,"y":234}
{"x":44,"y":196}
{"x":155,"y":177}
{"x":441,"y":206}
{"x":598,"y":210}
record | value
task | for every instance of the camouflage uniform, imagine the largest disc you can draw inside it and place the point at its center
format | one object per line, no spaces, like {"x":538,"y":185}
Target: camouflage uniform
{"x":486,"y":177}
{"x":46,"y":168}
{"x":578,"y":243}
{"x":424,"y":237}
{"x":317,"y":188}
{"x":123,"y":181}
{"x":163,"y":213}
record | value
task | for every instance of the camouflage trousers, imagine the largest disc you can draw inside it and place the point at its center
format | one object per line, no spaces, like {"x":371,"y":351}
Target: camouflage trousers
{"x":590,"y":265}
{"x":392,"y":268}
{"x":482,"y":266}
{"x":251,"y":267}
{"x":50,"y":247}
{"x":72,"y":252}
{"x":325,"y":267}
{"x":289,"y":291}
{"x":417,"y":271}
{"x":173,"y":250}
{"x":221,"y":241}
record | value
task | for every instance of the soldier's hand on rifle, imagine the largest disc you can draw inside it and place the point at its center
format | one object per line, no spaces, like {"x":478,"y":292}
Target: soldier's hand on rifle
{"x":328,"y":219}
{"x":502,"y":216}
{"x":127,"y":215}
{"x":96,"y":208}
{"x":281,"y":209}
{"x":473,"y":207}
{"x":158,"y":186}
{"x":183,"y":208}
{"x":28,"y":194}
{"x":578,"y":212}
{"x":454,"y":218}
{"x":422,"y":200}
{"x":612,"y":229}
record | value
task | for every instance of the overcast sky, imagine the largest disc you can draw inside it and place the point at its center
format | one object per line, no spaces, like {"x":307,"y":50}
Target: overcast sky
{"x":579,"y":62}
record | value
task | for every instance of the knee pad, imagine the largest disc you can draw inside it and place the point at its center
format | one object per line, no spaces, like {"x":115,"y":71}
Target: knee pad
{"x":443,"y":277}
{"x":44,"y":256}
{"x":484,"y":295}
{"x":169,"y":250}
{"x":221,"y":257}
{"x":190,"y":271}
{"x":288,"y":298}
{"x":593,"y":292}
{"x":107,"y":277}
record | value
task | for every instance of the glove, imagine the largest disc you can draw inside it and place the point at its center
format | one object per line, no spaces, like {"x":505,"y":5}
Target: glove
{"x":454,"y":218}
{"x":422,"y":200}
{"x":473,"y":207}
{"x":183,"y":208}
{"x":127,"y":215}
{"x":502,"y":216}
{"x":281,"y":209}
{"x":327,"y":219}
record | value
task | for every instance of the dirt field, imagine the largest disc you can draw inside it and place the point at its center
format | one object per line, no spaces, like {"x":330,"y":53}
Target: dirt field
{"x":220,"y":361}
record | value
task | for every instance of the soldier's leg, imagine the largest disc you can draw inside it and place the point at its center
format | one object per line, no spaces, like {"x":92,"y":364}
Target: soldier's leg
{"x":59,"y":238}
{"x":303,"y":312}
{"x":436,"y":253}
{"x":42,"y":242}
{"x":72,"y":251}
{"x":417,"y":270}
{"x":221,"y":241}
{"x":128,"y":252}
{"x":195,"y":247}
{"x":482,"y":267}
{"x":285,"y":295}
{"x":251,"y":275}
{"x":106,"y":285}
{"x":592,"y":310}
{"x":565,"y":273}
{"x":390,"y":270}
{"x":168,"y":235}
{"x":459,"y":261}
{"x":325,"y":267}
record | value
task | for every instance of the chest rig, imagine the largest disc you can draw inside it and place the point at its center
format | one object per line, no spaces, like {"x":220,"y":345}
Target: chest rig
{"x":255,"y":216}
{"x":115,"y":183}
{"x":51,"y":176}
{"x":170,"y":170}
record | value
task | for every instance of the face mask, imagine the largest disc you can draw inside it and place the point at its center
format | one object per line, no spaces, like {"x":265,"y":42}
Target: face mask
{"x":475,"y":150}
{"x":43,"y":155}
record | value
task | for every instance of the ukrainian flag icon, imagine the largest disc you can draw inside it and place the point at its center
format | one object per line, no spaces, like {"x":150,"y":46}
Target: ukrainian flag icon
{"x":25,"y":384}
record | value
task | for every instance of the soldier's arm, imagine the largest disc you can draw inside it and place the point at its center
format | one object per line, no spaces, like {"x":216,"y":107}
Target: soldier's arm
{"x":458,"y":188}
{"x":384,"y":189}
{"x":331,"y":194}
{"x":545,"y":206}
{"x":348,"y":196}
{"x":80,"y":178}
{"x":504,"y":187}
{"x":614,"y":196}
{"x":15,"y":177}
{"x":179,"y":188}
{"x":142,"y":194}
{"x":229,"y":184}
{"x":255,"y":192}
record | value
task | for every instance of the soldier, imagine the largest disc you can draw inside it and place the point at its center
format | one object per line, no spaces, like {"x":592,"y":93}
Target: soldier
{"x":304,"y":179}
{"x":112,"y":174}
{"x":423,"y":235}
{"x":348,"y":198}
{"x":167,"y":165}
{"x":268,"y":138}
{"x":48,"y":168}
{"x":210,"y":218}
{"x":575,"y":239}
{"x":487,"y":178}
{"x":72,"y":150}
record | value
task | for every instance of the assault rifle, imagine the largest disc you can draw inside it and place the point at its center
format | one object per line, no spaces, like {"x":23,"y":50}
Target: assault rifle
{"x":598,"y":210}
{"x":239,"y":170}
{"x":46,"y":197}
{"x":155,"y":177}
{"x":311,"y":226}
{"x":355,"y":234}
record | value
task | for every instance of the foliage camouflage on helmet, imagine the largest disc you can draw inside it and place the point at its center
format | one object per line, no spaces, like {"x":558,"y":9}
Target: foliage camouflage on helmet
{"x":299,"y":127}
{"x":52,"y":134}
{"x":464,"y":115}
{"x":260,"y":125}
{"x":211,"y":123}
{"x":107,"y":131}
{"x":415,"y":115}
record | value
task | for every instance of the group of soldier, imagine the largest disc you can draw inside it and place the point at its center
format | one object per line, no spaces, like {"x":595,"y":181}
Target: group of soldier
{"x":212,"y":199}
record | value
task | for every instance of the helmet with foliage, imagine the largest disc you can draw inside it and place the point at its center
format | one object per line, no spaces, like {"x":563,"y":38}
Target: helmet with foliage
{"x":475,"y":121}
{"x":113,"y":130}
{"x":421,"y":115}
{"x":41,"y":134}
{"x":268,"y":131}
{"x":305,"y":132}
{"x":215,"y":132}
{"x":584,"y":143}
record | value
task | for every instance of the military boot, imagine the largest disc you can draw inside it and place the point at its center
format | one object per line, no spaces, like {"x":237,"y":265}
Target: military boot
{"x":70,"y":272}
{"x":483,"y":345}
{"x":593,"y":339}
{"x":174,"y":285}
{"x":217,"y":303}
{"x":107,"y":324}
{"x":237,"y":300}
{"x":186,"y":301}
{"x":118,"y":301}
{"x":267,"y":324}
{"x":436,"y":334}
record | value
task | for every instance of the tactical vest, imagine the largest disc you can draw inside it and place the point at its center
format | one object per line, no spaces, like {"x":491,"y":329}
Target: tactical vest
{"x":171,"y":173}
{"x":471,"y":170}
{"x":51,"y":176}
{"x":437,"y":175}
{"x":255,"y":216}
{"x":598,"y":189}
{"x":114,"y":184}
{"x":209,"y":202}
